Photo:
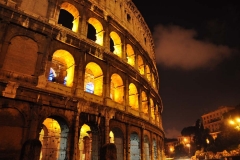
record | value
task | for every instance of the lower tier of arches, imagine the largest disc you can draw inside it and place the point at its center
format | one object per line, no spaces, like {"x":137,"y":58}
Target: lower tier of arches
{"x":77,"y":131}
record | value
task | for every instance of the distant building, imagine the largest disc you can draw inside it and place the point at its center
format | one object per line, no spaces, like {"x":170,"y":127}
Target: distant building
{"x":185,"y":139}
{"x":213,"y":120}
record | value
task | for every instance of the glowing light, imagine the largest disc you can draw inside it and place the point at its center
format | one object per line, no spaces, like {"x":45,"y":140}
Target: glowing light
{"x":231,"y":122}
{"x":117,"y":87}
{"x":140,"y":65}
{"x":130,"y":55}
{"x":133,"y":96}
{"x":111,"y":136}
{"x":73,"y":10}
{"x":65,"y":64}
{"x":93,"y":78}
{"x":99,"y":30}
{"x":117,"y":44}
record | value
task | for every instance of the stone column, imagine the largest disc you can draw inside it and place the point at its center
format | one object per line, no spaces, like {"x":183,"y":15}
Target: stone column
{"x":83,"y":27}
{"x":106,"y":38}
{"x":151,"y":147}
{"x":124,"y":54}
{"x":76,"y":132}
{"x":140,"y":102}
{"x":51,"y":13}
{"x":107,"y":119}
{"x":142,"y":143}
{"x":127,"y":155}
{"x":126,"y":90}
{"x":107,"y":82}
{"x":3,"y":43}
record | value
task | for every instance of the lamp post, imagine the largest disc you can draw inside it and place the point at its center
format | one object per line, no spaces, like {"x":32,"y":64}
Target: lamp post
{"x":187,"y":143}
{"x":171,"y":152}
{"x":189,"y":146}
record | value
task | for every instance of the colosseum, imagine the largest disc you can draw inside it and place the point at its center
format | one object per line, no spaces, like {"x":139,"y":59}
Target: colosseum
{"x":78,"y":76}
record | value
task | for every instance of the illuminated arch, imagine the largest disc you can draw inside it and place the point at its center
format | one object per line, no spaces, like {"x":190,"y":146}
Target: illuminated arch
{"x":130,"y":55}
{"x":53,"y":137}
{"x":140,"y":65}
{"x":74,"y":12}
{"x":116,"y":88}
{"x":144,"y":103}
{"x":117,"y":44}
{"x":133,"y":96}
{"x":99,"y":30}
{"x":152,"y":109}
{"x":85,"y":144}
{"x":62,"y":68}
{"x":148,"y":73}
{"x":93,"y":82}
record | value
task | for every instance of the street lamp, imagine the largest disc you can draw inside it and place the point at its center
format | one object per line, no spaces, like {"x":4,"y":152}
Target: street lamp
{"x":171,"y":151}
{"x":235,"y":122}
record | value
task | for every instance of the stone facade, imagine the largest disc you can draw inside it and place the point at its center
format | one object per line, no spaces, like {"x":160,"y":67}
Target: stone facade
{"x":69,"y":88}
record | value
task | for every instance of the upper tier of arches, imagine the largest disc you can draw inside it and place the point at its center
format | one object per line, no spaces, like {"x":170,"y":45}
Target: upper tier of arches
{"x":124,"y":12}
{"x":111,"y":28}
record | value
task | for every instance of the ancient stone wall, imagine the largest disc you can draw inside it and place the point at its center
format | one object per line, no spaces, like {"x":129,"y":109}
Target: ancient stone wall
{"x":77,"y":86}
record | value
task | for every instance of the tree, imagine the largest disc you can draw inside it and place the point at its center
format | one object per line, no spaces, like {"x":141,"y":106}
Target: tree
{"x":188,"y":131}
{"x":228,"y":139}
{"x":202,"y":137}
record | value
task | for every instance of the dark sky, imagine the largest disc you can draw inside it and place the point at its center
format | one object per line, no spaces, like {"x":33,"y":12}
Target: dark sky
{"x":197,"y":52}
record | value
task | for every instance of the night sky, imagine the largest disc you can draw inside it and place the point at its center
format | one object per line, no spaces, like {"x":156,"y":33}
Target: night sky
{"x":197,"y":52}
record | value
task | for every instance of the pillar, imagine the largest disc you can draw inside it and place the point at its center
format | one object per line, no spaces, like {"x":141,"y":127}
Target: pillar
{"x":107,"y":119}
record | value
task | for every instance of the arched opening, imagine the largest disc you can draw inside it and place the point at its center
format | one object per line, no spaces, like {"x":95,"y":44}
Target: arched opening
{"x":65,"y":19}
{"x":93,"y":82}
{"x":133,"y":96}
{"x":111,"y":137}
{"x":116,"y":137}
{"x":155,"y":150}
{"x":91,"y":34}
{"x":66,"y":9}
{"x":53,"y":137}
{"x":62,"y":68}
{"x":140,"y":65}
{"x":111,"y":45}
{"x":152,"y":109}
{"x":144,"y":103}
{"x":130,"y":55}
{"x":135,"y":147}
{"x":148,"y":73}
{"x":116,"y":88}
{"x":21,"y":55}
{"x":85,"y":143}
{"x":146,"y":148}
{"x":117,"y":44}
{"x":95,"y":31}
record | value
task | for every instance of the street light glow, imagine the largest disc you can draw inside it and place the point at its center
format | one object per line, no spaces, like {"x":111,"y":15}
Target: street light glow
{"x":231,"y":122}
{"x":235,"y":123}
